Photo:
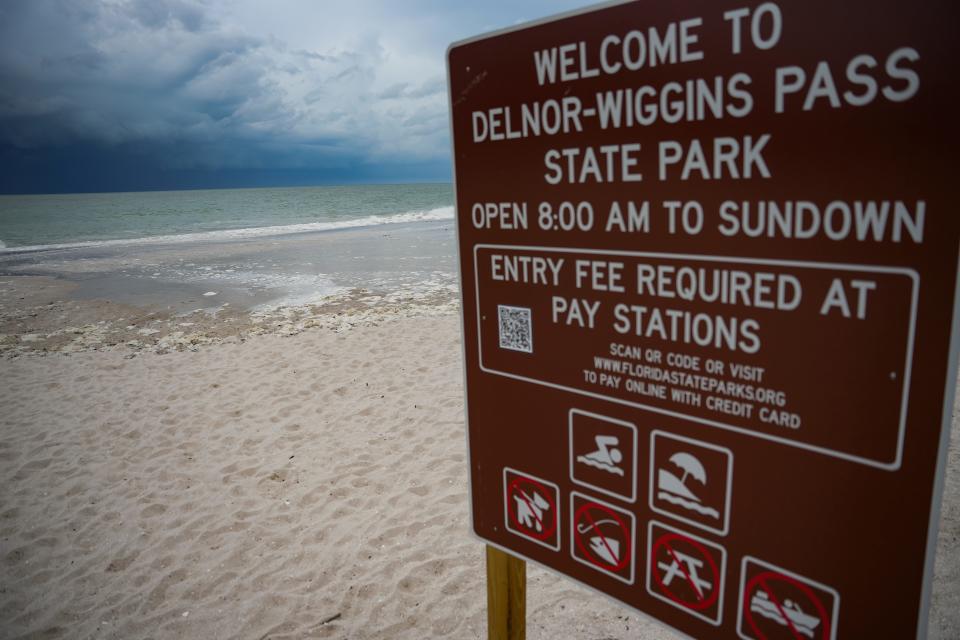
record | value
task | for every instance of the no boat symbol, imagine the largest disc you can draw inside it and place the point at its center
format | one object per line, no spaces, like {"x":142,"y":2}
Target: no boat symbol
{"x":686,"y":572}
{"x":776,"y":604}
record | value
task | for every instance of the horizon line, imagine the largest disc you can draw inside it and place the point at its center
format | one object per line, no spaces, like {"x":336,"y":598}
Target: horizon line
{"x":277,"y":186}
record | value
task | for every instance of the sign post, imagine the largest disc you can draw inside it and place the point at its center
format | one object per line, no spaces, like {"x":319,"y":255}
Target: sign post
{"x":708,"y":259}
{"x":506,"y":596}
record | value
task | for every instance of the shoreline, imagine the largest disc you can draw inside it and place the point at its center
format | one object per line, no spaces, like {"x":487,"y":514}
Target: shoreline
{"x":166,"y":298}
{"x":438,"y":214}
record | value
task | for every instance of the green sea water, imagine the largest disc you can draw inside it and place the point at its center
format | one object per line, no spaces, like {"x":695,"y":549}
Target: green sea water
{"x":34,"y":221}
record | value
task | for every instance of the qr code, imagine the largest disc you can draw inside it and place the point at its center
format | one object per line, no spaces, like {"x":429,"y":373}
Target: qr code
{"x":516,"y":328}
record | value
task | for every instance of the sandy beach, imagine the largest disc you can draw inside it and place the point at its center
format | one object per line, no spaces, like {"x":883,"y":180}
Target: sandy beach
{"x":696,"y":264}
{"x":293,"y":473}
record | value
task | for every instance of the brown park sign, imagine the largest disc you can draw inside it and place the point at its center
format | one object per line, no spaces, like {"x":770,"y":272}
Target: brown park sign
{"x":709,"y":268}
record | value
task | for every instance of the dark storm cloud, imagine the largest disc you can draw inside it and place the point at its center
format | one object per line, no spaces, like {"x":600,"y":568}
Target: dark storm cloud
{"x":146,"y":89}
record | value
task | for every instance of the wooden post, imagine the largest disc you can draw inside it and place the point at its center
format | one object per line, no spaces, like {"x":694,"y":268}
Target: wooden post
{"x":506,"y":596}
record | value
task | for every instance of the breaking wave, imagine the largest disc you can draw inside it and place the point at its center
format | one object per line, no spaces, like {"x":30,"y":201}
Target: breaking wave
{"x":440,"y":213}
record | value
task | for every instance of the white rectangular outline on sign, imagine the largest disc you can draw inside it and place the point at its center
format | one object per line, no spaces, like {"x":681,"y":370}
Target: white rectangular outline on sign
{"x":705,"y":445}
{"x":633,"y":540}
{"x":707,"y":543}
{"x":506,"y":509}
{"x":908,"y":359}
{"x":623,"y":423}
{"x":946,"y":411}
{"x":795,"y":576}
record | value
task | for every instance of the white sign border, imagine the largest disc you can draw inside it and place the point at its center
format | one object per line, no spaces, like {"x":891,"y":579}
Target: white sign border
{"x":936,"y":500}
{"x":908,"y":360}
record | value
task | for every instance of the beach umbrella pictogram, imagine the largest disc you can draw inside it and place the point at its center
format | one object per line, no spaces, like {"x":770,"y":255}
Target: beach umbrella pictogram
{"x":691,"y":467}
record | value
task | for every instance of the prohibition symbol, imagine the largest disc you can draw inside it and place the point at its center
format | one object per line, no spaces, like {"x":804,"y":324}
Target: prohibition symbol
{"x":531,"y":508}
{"x":602,"y":536}
{"x":776,"y":604}
{"x":614,"y":555}
{"x":686,"y":572}
{"x":680,"y":564}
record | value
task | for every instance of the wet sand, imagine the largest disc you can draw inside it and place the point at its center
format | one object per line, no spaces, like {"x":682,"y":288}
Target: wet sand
{"x":172,"y":297}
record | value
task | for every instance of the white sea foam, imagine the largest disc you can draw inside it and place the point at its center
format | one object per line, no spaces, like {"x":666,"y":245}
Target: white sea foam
{"x":440,"y":213}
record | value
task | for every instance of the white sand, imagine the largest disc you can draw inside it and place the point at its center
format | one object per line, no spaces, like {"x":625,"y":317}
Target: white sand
{"x":257,"y":489}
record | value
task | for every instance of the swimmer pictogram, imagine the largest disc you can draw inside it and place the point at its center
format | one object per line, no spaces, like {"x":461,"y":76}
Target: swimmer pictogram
{"x":603,"y":454}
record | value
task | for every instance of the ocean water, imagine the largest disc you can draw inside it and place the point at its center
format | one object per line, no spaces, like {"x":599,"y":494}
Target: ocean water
{"x":183,"y":251}
{"x":108,"y":219}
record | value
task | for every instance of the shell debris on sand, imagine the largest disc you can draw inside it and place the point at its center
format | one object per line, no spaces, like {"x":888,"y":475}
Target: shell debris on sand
{"x":106,"y":326}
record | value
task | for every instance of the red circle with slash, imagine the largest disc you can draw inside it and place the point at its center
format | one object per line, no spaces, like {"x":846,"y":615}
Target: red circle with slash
{"x":771,"y":576}
{"x":515,"y":487}
{"x":702,"y":602}
{"x":584,"y":511}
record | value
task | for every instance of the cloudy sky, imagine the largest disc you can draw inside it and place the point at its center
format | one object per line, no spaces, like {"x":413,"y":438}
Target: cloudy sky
{"x":108,"y":95}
